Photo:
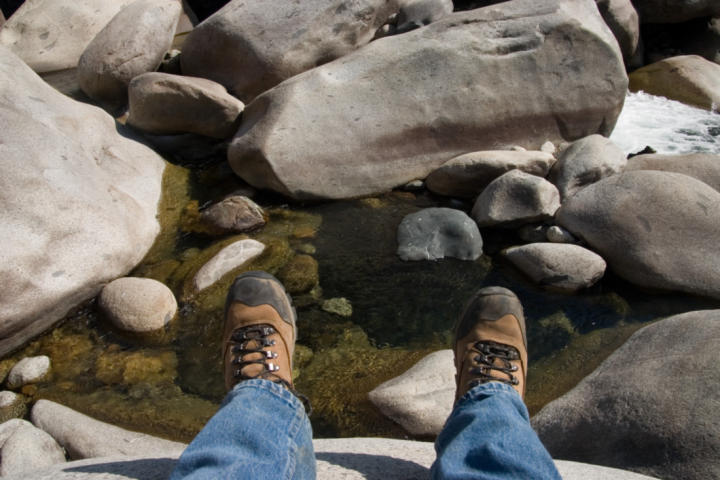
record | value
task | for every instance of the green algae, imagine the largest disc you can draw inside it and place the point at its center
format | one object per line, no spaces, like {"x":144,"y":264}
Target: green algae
{"x":300,"y":274}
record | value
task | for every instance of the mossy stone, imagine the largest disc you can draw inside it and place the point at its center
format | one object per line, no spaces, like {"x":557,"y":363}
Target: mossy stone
{"x":300,"y":274}
{"x":130,"y":368}
{"x":338,"y":306}
{"x":12,"y":406}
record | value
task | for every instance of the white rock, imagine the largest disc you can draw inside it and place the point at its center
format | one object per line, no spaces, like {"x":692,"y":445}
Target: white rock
{"x":85,"y":437}
{"x":9,"y":427}
{"x":7,"y":398}
{"x":227,"y":259}
{"x":137,"y":304}
{"x":420,"y":399}
{"x":28,"y":370}
{"x":29,"y":448}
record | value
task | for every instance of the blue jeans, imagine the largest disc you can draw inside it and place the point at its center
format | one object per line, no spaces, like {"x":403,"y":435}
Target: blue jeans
{"x":261,"y":431}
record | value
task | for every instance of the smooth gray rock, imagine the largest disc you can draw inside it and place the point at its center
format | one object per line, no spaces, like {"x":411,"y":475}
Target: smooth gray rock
{"x":137,"y":304}
{"x":234,"y":214}
{"x":650,"y":407}
{"x":28,"y":370}
{"x":420,"y":399}
{"x":675,"y":11}
{"x":133,"y":42}
{"x":557,"y":234}
{"x":621,"y":17}
{"x":559,"y":266}
{"x":467,"y":175}
{"x":85,"y":437}
{"x":225,"y":260}
{"x":51,"y":35}
{"x":79,"y":202}
{"x":161,"y":103}
{"x":337,"y":458}
{"x":702,"y":166}
{"x":435,"y":233}
{"x":250,"y":48}
{"x":370,"y":121}
{"x":29,"y":448}
{"x":655,"y":229}
{"x":516,"y":198}
{"x":417,"y":13}
{"x":586,"y":161}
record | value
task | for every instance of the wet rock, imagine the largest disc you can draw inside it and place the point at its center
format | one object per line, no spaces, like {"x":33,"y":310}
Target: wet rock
{"x":557,"y":234}
{"x":667,"y":240}
{"x":675,"y":11}
{"x":133,"y":42}
{"x":234,"y":214}
{"x":621,"y":17}
{"x":12,"y":406}
{"x":226,"y":260}
{"x":366,"y":137}
{"x":269,"y":45}
{"x":689,"y":79}
{"x":28,"y":448}
{"x":702,"y":166}
{"x":51,"y":35}
{"x":85,"y":437}
{"x":99,"y":192}
{"x":616,"y":413}
{"x":417,"y":13}
{"x":468,"y":175}
{"x":339,"y":306}
{"x":300,"y":274}
{"x":435,"y":233}
{"x":28,"y":370}
{"x":516,"y":198}
{"x":140,"y":367}
{"x":161,"y":103}
{"x":559,"y":266}
{"x":586,"y":161}
{"x":420,"y":399}
{"x":137,"y":304}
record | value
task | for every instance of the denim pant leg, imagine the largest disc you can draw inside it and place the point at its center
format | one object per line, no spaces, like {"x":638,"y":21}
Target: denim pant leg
{"x":488,"y":436}
{"x":261,"y":431}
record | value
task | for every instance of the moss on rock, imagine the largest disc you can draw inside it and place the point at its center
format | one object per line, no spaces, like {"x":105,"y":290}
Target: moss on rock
{"x":300,"y":274}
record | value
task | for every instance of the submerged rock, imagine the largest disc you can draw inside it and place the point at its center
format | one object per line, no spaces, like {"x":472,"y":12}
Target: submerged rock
{"x":667,"y":240}
{"x":250,"y":48}
{"x":137,"y":304}
{"x":229,"y":258}
{"x":628,"y":413}
{"x":339,"y":306}
{"x":498,"y":75}
{"x":300,"y":274}
{"x":133,"y":42}
{"x":28,"y":370}
{"x":234,"y":214}
{"x":99,"y":193}
{"x":435,"y":233}
{"x":420,"y":399}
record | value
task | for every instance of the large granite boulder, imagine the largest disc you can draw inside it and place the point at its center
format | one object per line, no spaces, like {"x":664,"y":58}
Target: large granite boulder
{"x":435,"y":233}
{"x":621,"y":17}
{"x":79,"y":202}
{"x":689,"y":79}
{"x":467,"y":175}
{"x":134,"y":42}
{"x":655,"y":229}
{"x":651,"y":407}
{"x":586,"y":161}
{"x":675,"y":11}
{"x":517,"y":73}
{"x":161,"y":103}
{"x":52,"y":34}
{"x":249,"y":48}
{"x":703,"y":166}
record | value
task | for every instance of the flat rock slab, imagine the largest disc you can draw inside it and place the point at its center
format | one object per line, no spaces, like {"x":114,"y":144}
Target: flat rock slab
{"x":225,"y":260}
{"x":79,"y":202}
{"x":655,"y":229}
{"x":398,"y":108}
{"x":650,"y":407}
{"x":337,"y":458}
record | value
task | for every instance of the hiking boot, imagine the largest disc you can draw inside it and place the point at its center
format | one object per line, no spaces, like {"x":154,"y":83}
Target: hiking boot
{"x":260,"y":331}
{"x":490,"y":342}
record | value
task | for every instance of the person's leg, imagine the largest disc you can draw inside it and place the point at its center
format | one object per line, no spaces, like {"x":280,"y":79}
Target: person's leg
{"x":261,"y":429}
{"x":488,"y":434}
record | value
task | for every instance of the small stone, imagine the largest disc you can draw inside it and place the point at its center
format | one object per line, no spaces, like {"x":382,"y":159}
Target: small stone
{"x":138,"y":304}
{"x":234,"y":214}
{"x":229,"y":258}
{"x":414,"y":186}
{"x":28,"y":370}
{"x":533,"y":233}
{"x":12,"y":406}
{"x":307,"y":248}
{"x":557,"y":234}
{"x":7,"y":398}
{"x":338,"y":306}
{"x":435,"y":233}
{"x":548,"y":147}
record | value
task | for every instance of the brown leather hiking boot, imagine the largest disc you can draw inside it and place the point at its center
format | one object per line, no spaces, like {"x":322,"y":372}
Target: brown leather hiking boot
{"x":260,"y":332}
{"x":490,"y":342}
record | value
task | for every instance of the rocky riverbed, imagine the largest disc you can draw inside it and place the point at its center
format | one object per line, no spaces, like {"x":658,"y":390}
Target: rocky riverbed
{"x":384,"y":160}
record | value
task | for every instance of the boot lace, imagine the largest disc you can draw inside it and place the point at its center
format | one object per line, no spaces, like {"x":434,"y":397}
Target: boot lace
{"x":488,"y":352}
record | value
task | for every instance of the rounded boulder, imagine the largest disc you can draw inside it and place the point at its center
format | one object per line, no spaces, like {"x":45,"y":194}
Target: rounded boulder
{"x":137,"y":304}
